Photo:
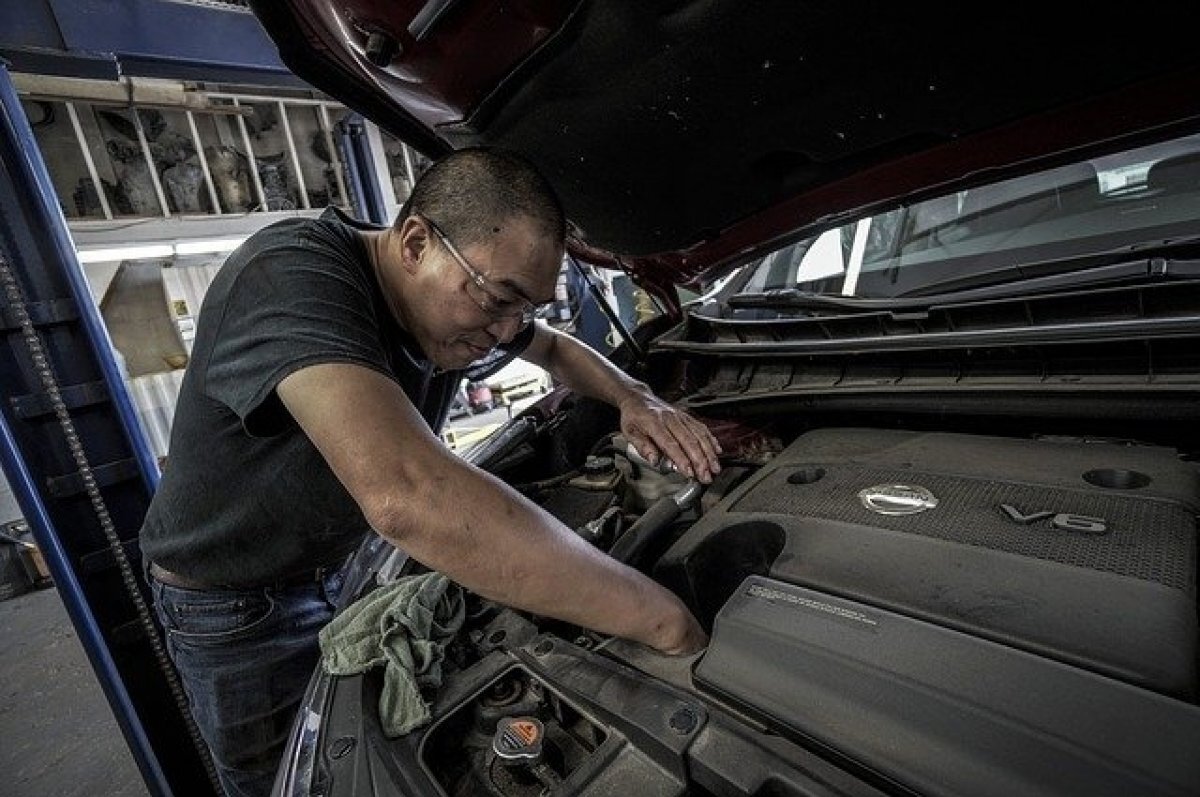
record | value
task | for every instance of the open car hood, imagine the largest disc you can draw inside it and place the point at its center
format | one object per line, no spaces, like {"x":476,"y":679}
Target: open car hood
{"x":686,"y":137}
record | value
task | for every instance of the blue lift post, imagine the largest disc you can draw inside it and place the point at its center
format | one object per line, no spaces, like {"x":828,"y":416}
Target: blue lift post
{"x":70,"y":442}
{"x":78,"y":463}
{"x":362,"y":182}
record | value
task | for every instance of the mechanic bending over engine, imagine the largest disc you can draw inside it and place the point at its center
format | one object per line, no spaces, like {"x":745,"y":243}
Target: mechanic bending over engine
{"x":327,"y":353}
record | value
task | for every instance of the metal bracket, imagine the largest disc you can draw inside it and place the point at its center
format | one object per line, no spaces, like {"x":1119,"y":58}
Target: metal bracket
{"x":33,"y":405}
{"x":55,"y":311}
{"x":104,"y":475}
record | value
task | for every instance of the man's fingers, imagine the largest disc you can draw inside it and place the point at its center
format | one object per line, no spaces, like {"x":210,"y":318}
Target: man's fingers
{"x":676,"y":442}
{"x":708,"y":443}
{"x":644,"y":445}
{"x":659,"y":442}
{"x":684,"y":449}
{"x":674,"y":452}
{"x":698,"y":445}
{"x":682,"y":439}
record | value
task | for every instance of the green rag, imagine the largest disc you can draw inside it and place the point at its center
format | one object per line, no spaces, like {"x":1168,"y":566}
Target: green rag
{"x":403,"y":626}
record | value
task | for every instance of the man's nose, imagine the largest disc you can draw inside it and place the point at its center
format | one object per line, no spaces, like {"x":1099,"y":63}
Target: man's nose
{"x":505,"y":329}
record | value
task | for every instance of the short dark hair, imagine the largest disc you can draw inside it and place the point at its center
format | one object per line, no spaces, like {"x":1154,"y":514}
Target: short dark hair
{"x":467,"y":192}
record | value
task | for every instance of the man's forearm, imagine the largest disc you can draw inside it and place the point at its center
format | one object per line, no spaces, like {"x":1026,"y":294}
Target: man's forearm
{"x":464,"y":522}
{"x":654,"y":427}
{"x":495,"y":542}
{"x":586,"y":372}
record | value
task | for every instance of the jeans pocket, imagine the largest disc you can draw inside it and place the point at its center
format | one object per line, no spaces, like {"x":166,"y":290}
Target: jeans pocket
{"x":217,"y":617}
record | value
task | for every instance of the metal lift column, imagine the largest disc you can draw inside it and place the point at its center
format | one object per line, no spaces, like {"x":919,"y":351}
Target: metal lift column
{"x":83,"y":475}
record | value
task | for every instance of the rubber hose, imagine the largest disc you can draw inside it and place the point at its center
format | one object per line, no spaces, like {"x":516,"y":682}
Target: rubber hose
{"x":650,"y":526}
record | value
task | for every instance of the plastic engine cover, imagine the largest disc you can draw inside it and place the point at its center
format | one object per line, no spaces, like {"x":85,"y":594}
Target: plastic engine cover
{"x":1080,"y":552}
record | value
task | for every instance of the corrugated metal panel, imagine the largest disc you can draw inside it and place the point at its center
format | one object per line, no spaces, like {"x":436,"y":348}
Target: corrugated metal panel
{"x":155,"y":396}
{"x":187,"y":283}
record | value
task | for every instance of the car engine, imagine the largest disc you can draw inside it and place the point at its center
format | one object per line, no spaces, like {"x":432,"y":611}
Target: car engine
{"x":891,"y":611}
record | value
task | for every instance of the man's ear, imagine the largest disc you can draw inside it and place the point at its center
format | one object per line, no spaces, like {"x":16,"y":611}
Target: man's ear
{"x":414,"y":243}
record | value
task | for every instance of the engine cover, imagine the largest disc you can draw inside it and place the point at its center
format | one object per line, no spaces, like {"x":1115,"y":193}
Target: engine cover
{"x":1081,"y":552}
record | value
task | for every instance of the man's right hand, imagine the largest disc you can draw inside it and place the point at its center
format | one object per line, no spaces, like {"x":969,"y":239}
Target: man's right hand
{"x":683,"y":636}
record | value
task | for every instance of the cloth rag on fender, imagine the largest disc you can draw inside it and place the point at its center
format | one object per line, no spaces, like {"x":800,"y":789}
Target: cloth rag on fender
{"x":404,"y":627}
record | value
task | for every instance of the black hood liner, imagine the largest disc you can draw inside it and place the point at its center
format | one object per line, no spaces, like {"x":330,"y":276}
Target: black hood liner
{"x":664,"y":124}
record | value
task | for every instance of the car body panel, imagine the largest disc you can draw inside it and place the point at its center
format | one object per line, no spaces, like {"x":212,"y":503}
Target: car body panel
{"x":686,"y":137}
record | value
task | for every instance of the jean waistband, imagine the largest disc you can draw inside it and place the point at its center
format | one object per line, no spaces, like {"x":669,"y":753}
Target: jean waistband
{"x":316,"y":575}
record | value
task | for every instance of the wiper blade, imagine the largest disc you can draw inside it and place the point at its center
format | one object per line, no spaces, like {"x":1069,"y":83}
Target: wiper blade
{"x":1154,"y":268}
{"x":1016,"y":284}
{"x":796,"y":299}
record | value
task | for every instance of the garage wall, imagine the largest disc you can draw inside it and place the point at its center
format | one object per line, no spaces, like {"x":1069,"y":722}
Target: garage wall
{"x":209,"y":166}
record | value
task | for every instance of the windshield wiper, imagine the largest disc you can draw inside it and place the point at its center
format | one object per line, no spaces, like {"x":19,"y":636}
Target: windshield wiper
{"x":1091,"y":269}
{"x":796,"y":299}
{"x":1014,"y":284}
{"x":1154,"y":268}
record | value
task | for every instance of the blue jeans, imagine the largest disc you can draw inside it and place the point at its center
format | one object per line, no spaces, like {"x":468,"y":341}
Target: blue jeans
{"x":245,"y":658}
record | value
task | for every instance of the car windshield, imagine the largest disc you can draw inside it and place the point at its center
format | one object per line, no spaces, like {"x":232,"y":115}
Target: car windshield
{"x":1073,"y":217}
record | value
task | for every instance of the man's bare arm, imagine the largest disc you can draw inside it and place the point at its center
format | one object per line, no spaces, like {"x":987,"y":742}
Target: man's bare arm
{"x":650,"y":423}
{"x":463,"y":522}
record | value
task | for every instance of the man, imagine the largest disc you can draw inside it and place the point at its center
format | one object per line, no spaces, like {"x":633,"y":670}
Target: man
{"x":326,"y":355}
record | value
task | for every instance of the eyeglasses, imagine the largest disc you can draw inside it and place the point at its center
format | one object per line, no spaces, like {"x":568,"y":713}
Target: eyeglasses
{"x":497,"y":301}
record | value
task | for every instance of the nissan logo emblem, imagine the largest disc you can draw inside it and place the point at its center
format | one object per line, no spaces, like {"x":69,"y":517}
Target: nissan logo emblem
{"x":897,"y":499}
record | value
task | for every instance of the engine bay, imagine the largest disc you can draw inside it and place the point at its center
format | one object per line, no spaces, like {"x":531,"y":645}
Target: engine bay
{"x":891,"y":612}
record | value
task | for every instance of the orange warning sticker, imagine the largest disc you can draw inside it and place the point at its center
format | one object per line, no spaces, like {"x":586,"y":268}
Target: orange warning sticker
{"x":526,"y":730}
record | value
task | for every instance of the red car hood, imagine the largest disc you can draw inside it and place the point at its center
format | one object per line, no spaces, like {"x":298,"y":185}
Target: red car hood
{"x":686,"y":137}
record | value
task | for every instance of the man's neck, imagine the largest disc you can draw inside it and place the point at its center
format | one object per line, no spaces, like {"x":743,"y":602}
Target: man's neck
{"x":376,"y":246}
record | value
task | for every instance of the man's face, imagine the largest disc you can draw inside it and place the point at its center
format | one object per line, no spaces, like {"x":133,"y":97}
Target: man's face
{"x":466,"y":300}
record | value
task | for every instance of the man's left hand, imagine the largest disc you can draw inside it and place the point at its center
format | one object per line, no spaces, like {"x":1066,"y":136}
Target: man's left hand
{"x":657,"y":429}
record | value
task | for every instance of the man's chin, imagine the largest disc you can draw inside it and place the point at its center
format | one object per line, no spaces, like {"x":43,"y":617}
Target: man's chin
{"x":457,"y":357}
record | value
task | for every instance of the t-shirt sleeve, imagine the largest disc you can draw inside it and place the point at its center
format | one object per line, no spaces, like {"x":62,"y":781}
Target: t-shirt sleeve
{"x":290,"y":306}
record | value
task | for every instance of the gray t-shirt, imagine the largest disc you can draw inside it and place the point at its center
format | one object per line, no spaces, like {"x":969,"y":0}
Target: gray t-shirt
{"x":245,"y":497}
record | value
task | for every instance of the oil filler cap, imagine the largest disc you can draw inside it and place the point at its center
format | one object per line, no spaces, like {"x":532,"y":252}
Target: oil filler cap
{"x":518,"y":740}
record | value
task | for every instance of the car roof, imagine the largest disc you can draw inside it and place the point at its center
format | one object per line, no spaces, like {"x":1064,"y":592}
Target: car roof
{"x":688,"y":137}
